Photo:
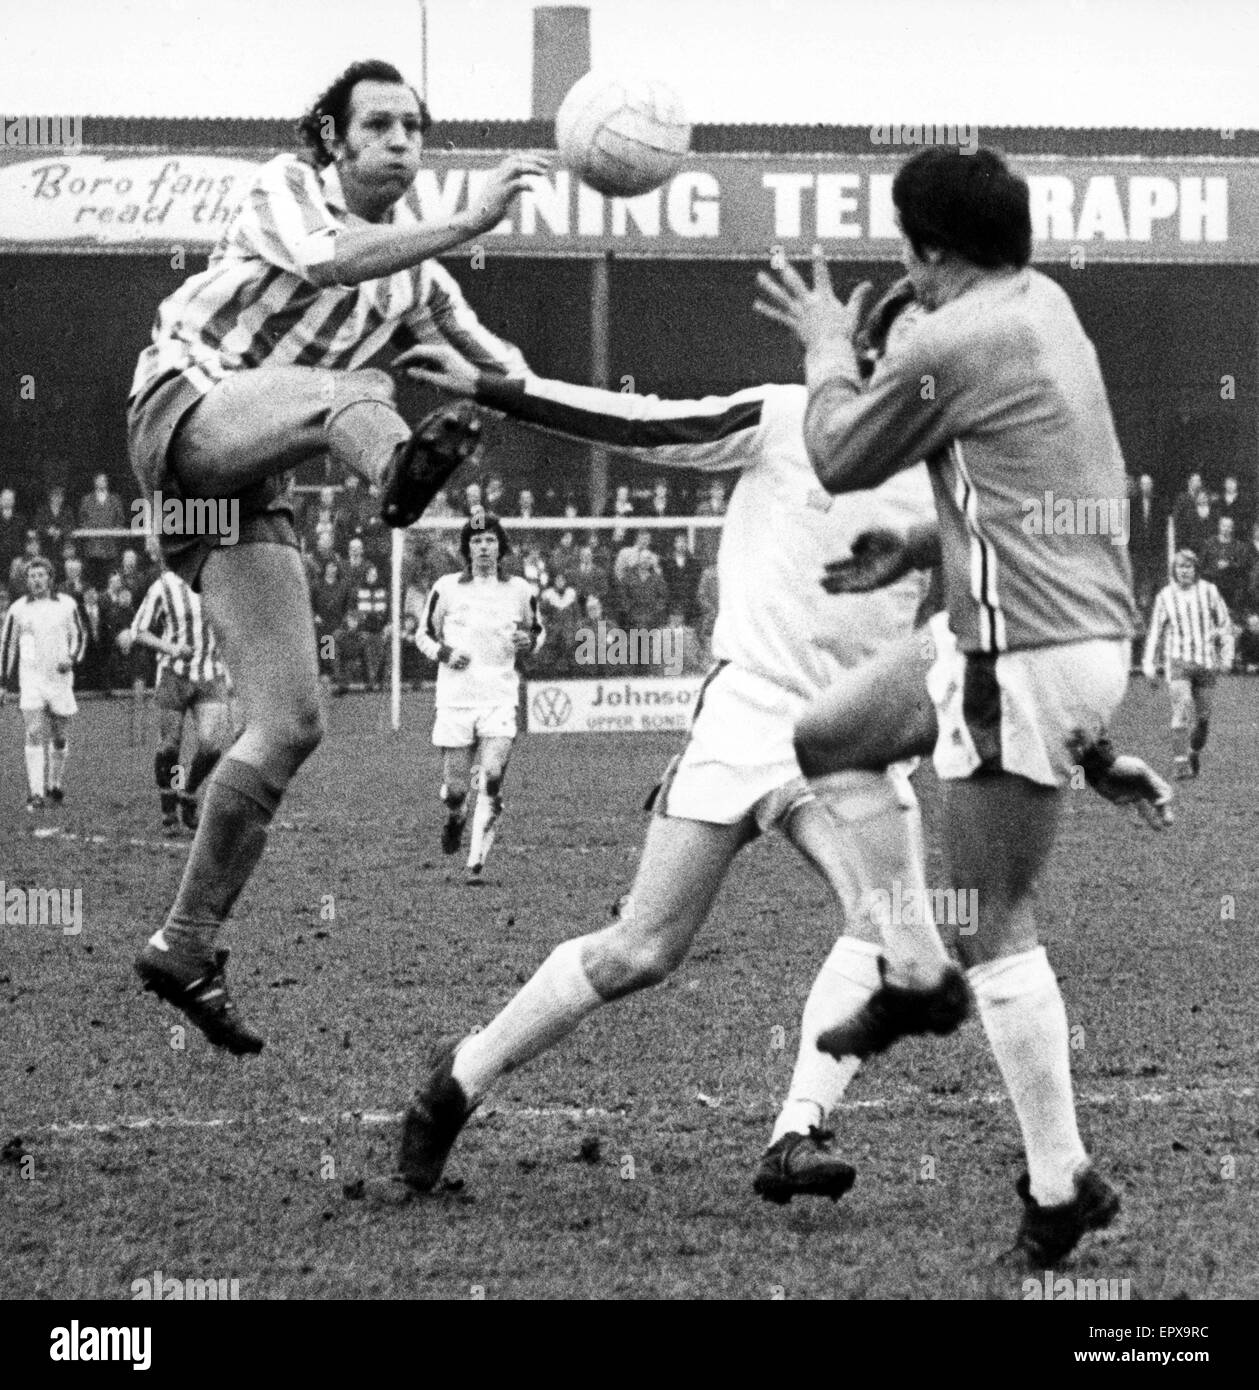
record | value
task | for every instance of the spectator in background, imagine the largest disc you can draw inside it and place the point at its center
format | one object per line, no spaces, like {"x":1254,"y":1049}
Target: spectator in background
{"x":93,"y":671}
{"x":72,"y":579}
{"x":12,"y":531}
{"x":681,"y":576}
{"x":590,"y":579}
{"x":1248,"y":646}
{"x":642,"y":597}
{"x":101,"y":510}
{"x":686,"y":641}
{"x":329,"y":600}
{"x":1201,"y":525}
{"x":1224,"y":562}
{"x":706,"y":596}
{"x":17,"y":569}
{"x":564,"y":555}
{"x":1234,"y":506}
{"x":1250,"y":591}
{"x":629,"y":556}
{"x":136,"y":575}
{"x":622,"y":503}
{"x":356,"y":563}
{"x":526,"y":507}
{"x":117,"y":609}
{"x":559,"y":614}
{"x":414,"y":663}
{"x":322,"y":554}
{"x":53,"y":521}
{"x":472,"y":498}
{"x":708,"y":538}
{"x":601,"y":552}
{"x":323,"y":515}
{"x":1147,"y":542}
{"x":350,"y":662}
{"x":1183,"y":507}
{"x":494,"y":503}
{"x":661,"y":501}
{"x":372,"y":603}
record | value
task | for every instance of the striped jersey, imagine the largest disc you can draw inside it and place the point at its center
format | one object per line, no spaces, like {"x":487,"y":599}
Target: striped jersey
{"x":1190,"y":624}
{"x":255,"y":305}
{"x":479,"y":616}
{"x":38,"y":635}
{"x":781,"y":527}
{"x":1001,"y":392}
{"x":172,"y":612}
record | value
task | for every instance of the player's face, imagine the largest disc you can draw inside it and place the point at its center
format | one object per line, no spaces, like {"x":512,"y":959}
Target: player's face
{"x":483,"y":548}
{"x":1183,"y":570}
{"x":380,"y":154}
{"x":37,"y":582}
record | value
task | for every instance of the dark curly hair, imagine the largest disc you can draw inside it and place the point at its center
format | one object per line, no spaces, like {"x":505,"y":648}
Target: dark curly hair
{"x":335,"y":103}
{"x":973,"y":205}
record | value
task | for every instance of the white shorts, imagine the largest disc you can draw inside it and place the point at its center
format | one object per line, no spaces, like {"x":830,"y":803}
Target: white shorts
{"x":1027,"y":712}
{"x":739,"y":753}
{"x":57,"y":697}
{"x":461,"y":728}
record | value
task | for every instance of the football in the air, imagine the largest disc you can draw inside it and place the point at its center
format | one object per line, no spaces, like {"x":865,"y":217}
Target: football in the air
{"x":621,"y":135}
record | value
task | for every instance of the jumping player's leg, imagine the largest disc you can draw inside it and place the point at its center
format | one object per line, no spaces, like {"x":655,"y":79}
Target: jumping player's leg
{"x":58,"y":753}
{"x":270,"y":648}
{"x":682,"y":868}
{"x":213,"y":729}
{"x":36,"y":722}
{"x":494,"y":756}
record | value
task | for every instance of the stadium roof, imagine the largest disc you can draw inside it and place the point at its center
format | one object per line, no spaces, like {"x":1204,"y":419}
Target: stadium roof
{"x":162,"y":132}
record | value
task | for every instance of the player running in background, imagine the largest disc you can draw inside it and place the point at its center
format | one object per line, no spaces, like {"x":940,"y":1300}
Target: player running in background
{"x":1000,"y":391}
{"x":262,"y":362}
{"x":43,"y":637}
{"x":1191,"y":637}
{"x":475,"y":625}
{"x":779,"y":642}
{"x":191,"y":680}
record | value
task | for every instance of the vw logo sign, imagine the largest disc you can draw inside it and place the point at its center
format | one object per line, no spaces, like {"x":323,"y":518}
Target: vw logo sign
{"x":551,"y":707}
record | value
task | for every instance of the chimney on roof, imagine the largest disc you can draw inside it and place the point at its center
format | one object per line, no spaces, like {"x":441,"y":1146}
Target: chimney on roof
{"x":561,"y":54}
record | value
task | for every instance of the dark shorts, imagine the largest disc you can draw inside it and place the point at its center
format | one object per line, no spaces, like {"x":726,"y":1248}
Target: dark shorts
{"x":153,"y":424}
{"x":179,"y":694}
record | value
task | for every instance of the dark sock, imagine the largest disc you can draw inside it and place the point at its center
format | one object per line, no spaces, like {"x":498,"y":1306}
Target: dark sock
{"x":204,"y":761}
{"x":1199,"y":740}
{"x":455,"y":802}
{"x":164,"y":762}
{"x":237,"y":809}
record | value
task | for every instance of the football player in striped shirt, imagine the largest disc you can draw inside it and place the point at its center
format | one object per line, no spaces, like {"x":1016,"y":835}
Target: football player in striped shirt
{"x":1191,"y":638}
{"x":1000,"y":391}
{"x":43,"y":638}
{"x":268,"y":359}
{"x":475,"y":625}
{"x":191,"y":680}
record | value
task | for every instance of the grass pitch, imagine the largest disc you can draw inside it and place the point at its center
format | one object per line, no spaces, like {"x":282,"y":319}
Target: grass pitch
{"x":619,"y":1165}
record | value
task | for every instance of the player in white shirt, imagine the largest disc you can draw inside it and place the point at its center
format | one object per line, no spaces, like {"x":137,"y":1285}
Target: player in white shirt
{"x":43,"y":636}
{"x":475,"y":625}
{"x":779,"y":642}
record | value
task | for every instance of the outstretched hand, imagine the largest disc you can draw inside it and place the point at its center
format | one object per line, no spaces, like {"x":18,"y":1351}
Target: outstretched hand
{"x":815,"y":315}
{"x":440,"y":365}
{"x":878,"y":558}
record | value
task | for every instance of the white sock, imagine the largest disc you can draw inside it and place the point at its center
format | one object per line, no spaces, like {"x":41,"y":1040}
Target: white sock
{"x":57,"y":763}
{"x":546,"y":1010}
{"x":1026,"y":1022}
{"x":484,"y":816}
{"x":35,"y":768}
{"x":847,"y":979}
{"x":879,"y":812}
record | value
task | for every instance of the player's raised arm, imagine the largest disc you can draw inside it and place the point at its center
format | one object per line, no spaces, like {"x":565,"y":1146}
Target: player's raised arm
{"x":714,"y":433}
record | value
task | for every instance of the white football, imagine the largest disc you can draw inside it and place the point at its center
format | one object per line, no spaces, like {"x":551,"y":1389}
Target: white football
{"x":621,"y":135}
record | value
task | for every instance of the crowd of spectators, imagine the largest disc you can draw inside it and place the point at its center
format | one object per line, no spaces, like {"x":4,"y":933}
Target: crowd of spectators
{"x":628,"y":577}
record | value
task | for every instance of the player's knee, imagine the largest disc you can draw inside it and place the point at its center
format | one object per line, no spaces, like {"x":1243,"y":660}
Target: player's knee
{"x":303,"y":730}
